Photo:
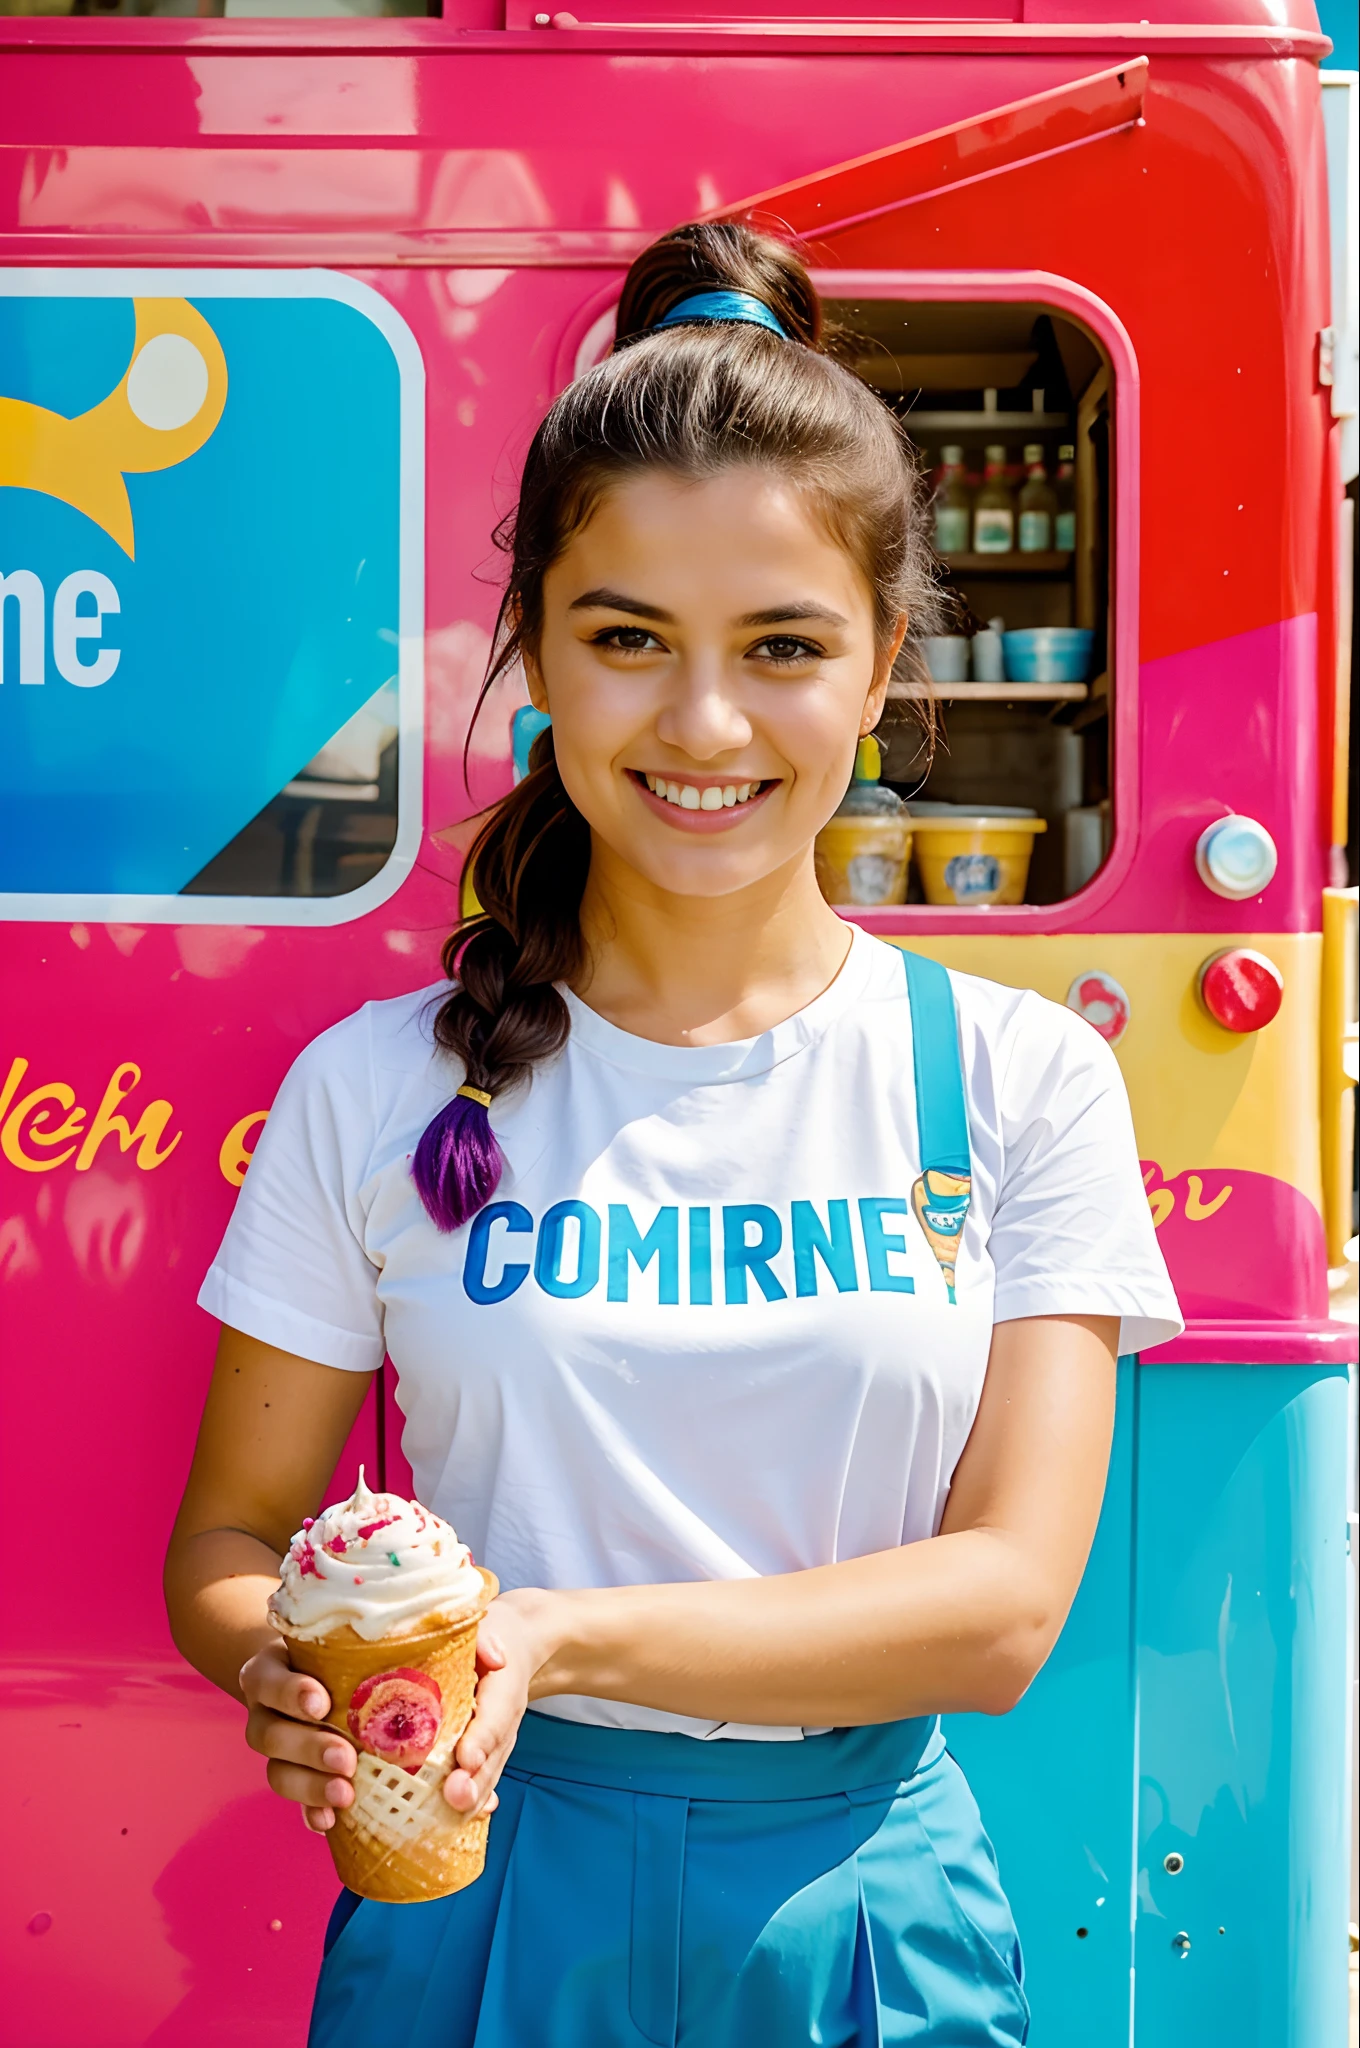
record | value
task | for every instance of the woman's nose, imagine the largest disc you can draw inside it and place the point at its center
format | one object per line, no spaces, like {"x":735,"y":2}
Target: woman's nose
{"x":703,"y":716}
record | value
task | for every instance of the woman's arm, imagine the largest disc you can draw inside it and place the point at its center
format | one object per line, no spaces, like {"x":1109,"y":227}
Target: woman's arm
{"x":960,"y":1623}
{"x":272,"y":1430}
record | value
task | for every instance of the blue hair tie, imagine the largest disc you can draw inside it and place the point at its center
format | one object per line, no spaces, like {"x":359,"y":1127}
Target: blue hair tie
{"x":723,"y":305}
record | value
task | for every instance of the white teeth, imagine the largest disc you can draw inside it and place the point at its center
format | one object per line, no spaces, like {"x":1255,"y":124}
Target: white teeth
{"x":717,"y":797}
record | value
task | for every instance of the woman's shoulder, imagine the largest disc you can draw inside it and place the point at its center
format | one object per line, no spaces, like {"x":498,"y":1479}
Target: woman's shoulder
{"x":390,"y":1037}
{"x":1016,"y":1034}
{"x":1044,"y":1064}
{"x":1030,"y":1035}
{"x":1003,"y":1011}
{"x":995,"y":1010}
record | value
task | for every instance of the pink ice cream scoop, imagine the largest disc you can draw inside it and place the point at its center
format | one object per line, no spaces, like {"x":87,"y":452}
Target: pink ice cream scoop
{"x":396,"y":1715}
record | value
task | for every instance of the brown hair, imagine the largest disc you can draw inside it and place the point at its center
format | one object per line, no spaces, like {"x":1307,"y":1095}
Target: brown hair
{"x":695,"y":399}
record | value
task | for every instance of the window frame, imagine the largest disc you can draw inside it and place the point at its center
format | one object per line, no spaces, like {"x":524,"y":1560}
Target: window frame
{"x":1089,"y":905}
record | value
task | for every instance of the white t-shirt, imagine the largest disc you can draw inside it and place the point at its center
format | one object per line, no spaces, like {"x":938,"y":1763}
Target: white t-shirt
{"x":699,"y":1334}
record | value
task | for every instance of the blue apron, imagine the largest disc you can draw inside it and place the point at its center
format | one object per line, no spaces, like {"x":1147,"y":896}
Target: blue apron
{"x":654,"y":1889}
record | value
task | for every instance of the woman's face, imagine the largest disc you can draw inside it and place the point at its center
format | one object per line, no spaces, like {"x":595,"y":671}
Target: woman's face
{"x":708,"y":660}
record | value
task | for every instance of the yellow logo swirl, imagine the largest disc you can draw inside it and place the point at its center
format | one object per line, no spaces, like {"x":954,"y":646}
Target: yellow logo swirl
{"x":166,"y":405}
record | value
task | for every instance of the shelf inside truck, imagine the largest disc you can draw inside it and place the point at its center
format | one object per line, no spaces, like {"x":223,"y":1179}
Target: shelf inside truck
{"x":1011,"y":564}
{"x":994,"y":693}
{"x":982,"y":423}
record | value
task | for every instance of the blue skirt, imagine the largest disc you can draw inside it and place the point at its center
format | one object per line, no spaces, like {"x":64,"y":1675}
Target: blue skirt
{"x":653,"y":1889}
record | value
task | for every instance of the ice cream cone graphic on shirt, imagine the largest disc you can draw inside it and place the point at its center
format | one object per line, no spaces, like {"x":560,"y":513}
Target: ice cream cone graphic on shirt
{"x":940,"y":1203}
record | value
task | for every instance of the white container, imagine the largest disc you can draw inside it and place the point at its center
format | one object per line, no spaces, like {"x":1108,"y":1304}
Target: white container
{"x":1086,"y":841}
{"x":946,"y":657}
{"x":989,"y":662}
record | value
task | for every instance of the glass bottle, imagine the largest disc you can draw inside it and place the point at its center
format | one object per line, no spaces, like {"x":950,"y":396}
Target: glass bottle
{"x":1038,"y":505}
{"x":953,"y":505}
{"x":1065,"y":524}
{"x":994,"y":508}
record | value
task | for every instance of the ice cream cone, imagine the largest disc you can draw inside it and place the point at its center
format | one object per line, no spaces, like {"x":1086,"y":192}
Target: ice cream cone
{"x":940,"y":1203}
{"x":403,"y":1700}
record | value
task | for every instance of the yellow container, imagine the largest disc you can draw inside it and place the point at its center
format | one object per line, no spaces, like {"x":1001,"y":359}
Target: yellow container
{"x":971,"y":858}
{"x":863,"y":861}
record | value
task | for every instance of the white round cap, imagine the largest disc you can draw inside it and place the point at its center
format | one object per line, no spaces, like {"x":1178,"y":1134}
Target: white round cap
{"x":1236,"y":858}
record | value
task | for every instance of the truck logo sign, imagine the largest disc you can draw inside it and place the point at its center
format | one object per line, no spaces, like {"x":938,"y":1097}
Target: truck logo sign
{"x":211,"y":501}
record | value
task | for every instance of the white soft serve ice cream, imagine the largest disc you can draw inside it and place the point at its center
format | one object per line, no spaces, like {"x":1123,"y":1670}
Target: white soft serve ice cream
{"x":380,"y":1564}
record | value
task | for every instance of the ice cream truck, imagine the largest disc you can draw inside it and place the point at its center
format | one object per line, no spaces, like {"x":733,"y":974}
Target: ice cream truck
{"x":283,"y":295}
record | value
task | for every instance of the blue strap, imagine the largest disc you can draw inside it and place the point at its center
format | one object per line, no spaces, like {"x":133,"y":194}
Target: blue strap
{"x":941,"y":1112}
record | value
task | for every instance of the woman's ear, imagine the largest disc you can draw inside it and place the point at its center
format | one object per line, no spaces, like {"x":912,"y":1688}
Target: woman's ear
{"x":513,"y":624}
{"x":883,"y":667}
{"x":533,"y":677}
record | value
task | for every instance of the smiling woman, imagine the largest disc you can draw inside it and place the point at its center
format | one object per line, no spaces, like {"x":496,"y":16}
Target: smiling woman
{"x":753,"y":1289}
{"x":716,"y":479}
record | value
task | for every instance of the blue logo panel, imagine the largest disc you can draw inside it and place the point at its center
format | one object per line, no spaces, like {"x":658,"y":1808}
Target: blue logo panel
{"x":201,"y":567}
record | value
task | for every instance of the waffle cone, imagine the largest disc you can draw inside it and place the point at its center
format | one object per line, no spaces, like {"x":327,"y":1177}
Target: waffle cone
{"x":400,"y":1840}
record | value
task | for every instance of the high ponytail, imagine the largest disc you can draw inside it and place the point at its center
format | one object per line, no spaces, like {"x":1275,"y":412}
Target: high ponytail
{"x":718,"y":254}
{"x":695,"y":398}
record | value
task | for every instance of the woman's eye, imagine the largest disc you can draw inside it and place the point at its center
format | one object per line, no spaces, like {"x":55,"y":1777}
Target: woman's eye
{"x":784,"y":648}
{"x":627,"y":639}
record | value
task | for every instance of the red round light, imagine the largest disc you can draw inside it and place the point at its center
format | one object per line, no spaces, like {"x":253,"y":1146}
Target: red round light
{"x":1240,"y":989}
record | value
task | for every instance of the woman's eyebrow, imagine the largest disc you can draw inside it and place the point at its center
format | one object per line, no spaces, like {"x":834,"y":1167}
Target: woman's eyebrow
{"x":615,"y":601}
{"x":785,"y":614}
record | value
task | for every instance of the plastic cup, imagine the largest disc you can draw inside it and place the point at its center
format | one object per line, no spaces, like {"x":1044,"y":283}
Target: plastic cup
{"x":863,"y":861}
{"x":972,"y":860}
{"x":946,"y":657}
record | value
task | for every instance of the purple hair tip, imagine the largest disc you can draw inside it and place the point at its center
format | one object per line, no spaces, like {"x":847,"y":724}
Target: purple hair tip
{"x":458,"y":1164}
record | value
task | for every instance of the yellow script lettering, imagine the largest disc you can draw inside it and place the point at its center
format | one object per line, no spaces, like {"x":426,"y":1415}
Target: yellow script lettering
{"x":144,"y":1134}
{"x":234,"y":1156}
{"x":17,"y":1069}
{"x":1161,"y":1201}
{"x":12,"y":1132}
{"x":1196,"y":1208}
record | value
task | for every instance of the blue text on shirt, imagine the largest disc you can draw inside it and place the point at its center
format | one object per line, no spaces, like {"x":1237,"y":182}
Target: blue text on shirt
{"x":574,"y":1247}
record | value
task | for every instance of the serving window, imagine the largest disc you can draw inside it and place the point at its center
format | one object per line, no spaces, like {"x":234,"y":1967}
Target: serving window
{"x":1009,"y":406}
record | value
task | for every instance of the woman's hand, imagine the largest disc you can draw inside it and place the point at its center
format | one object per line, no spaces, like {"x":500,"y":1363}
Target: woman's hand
{"x":515,"y":1642}
{"x":308,"y":1763}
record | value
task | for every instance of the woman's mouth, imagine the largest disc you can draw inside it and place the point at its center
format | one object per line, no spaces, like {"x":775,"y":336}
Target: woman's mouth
{"x":704,"y":806}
